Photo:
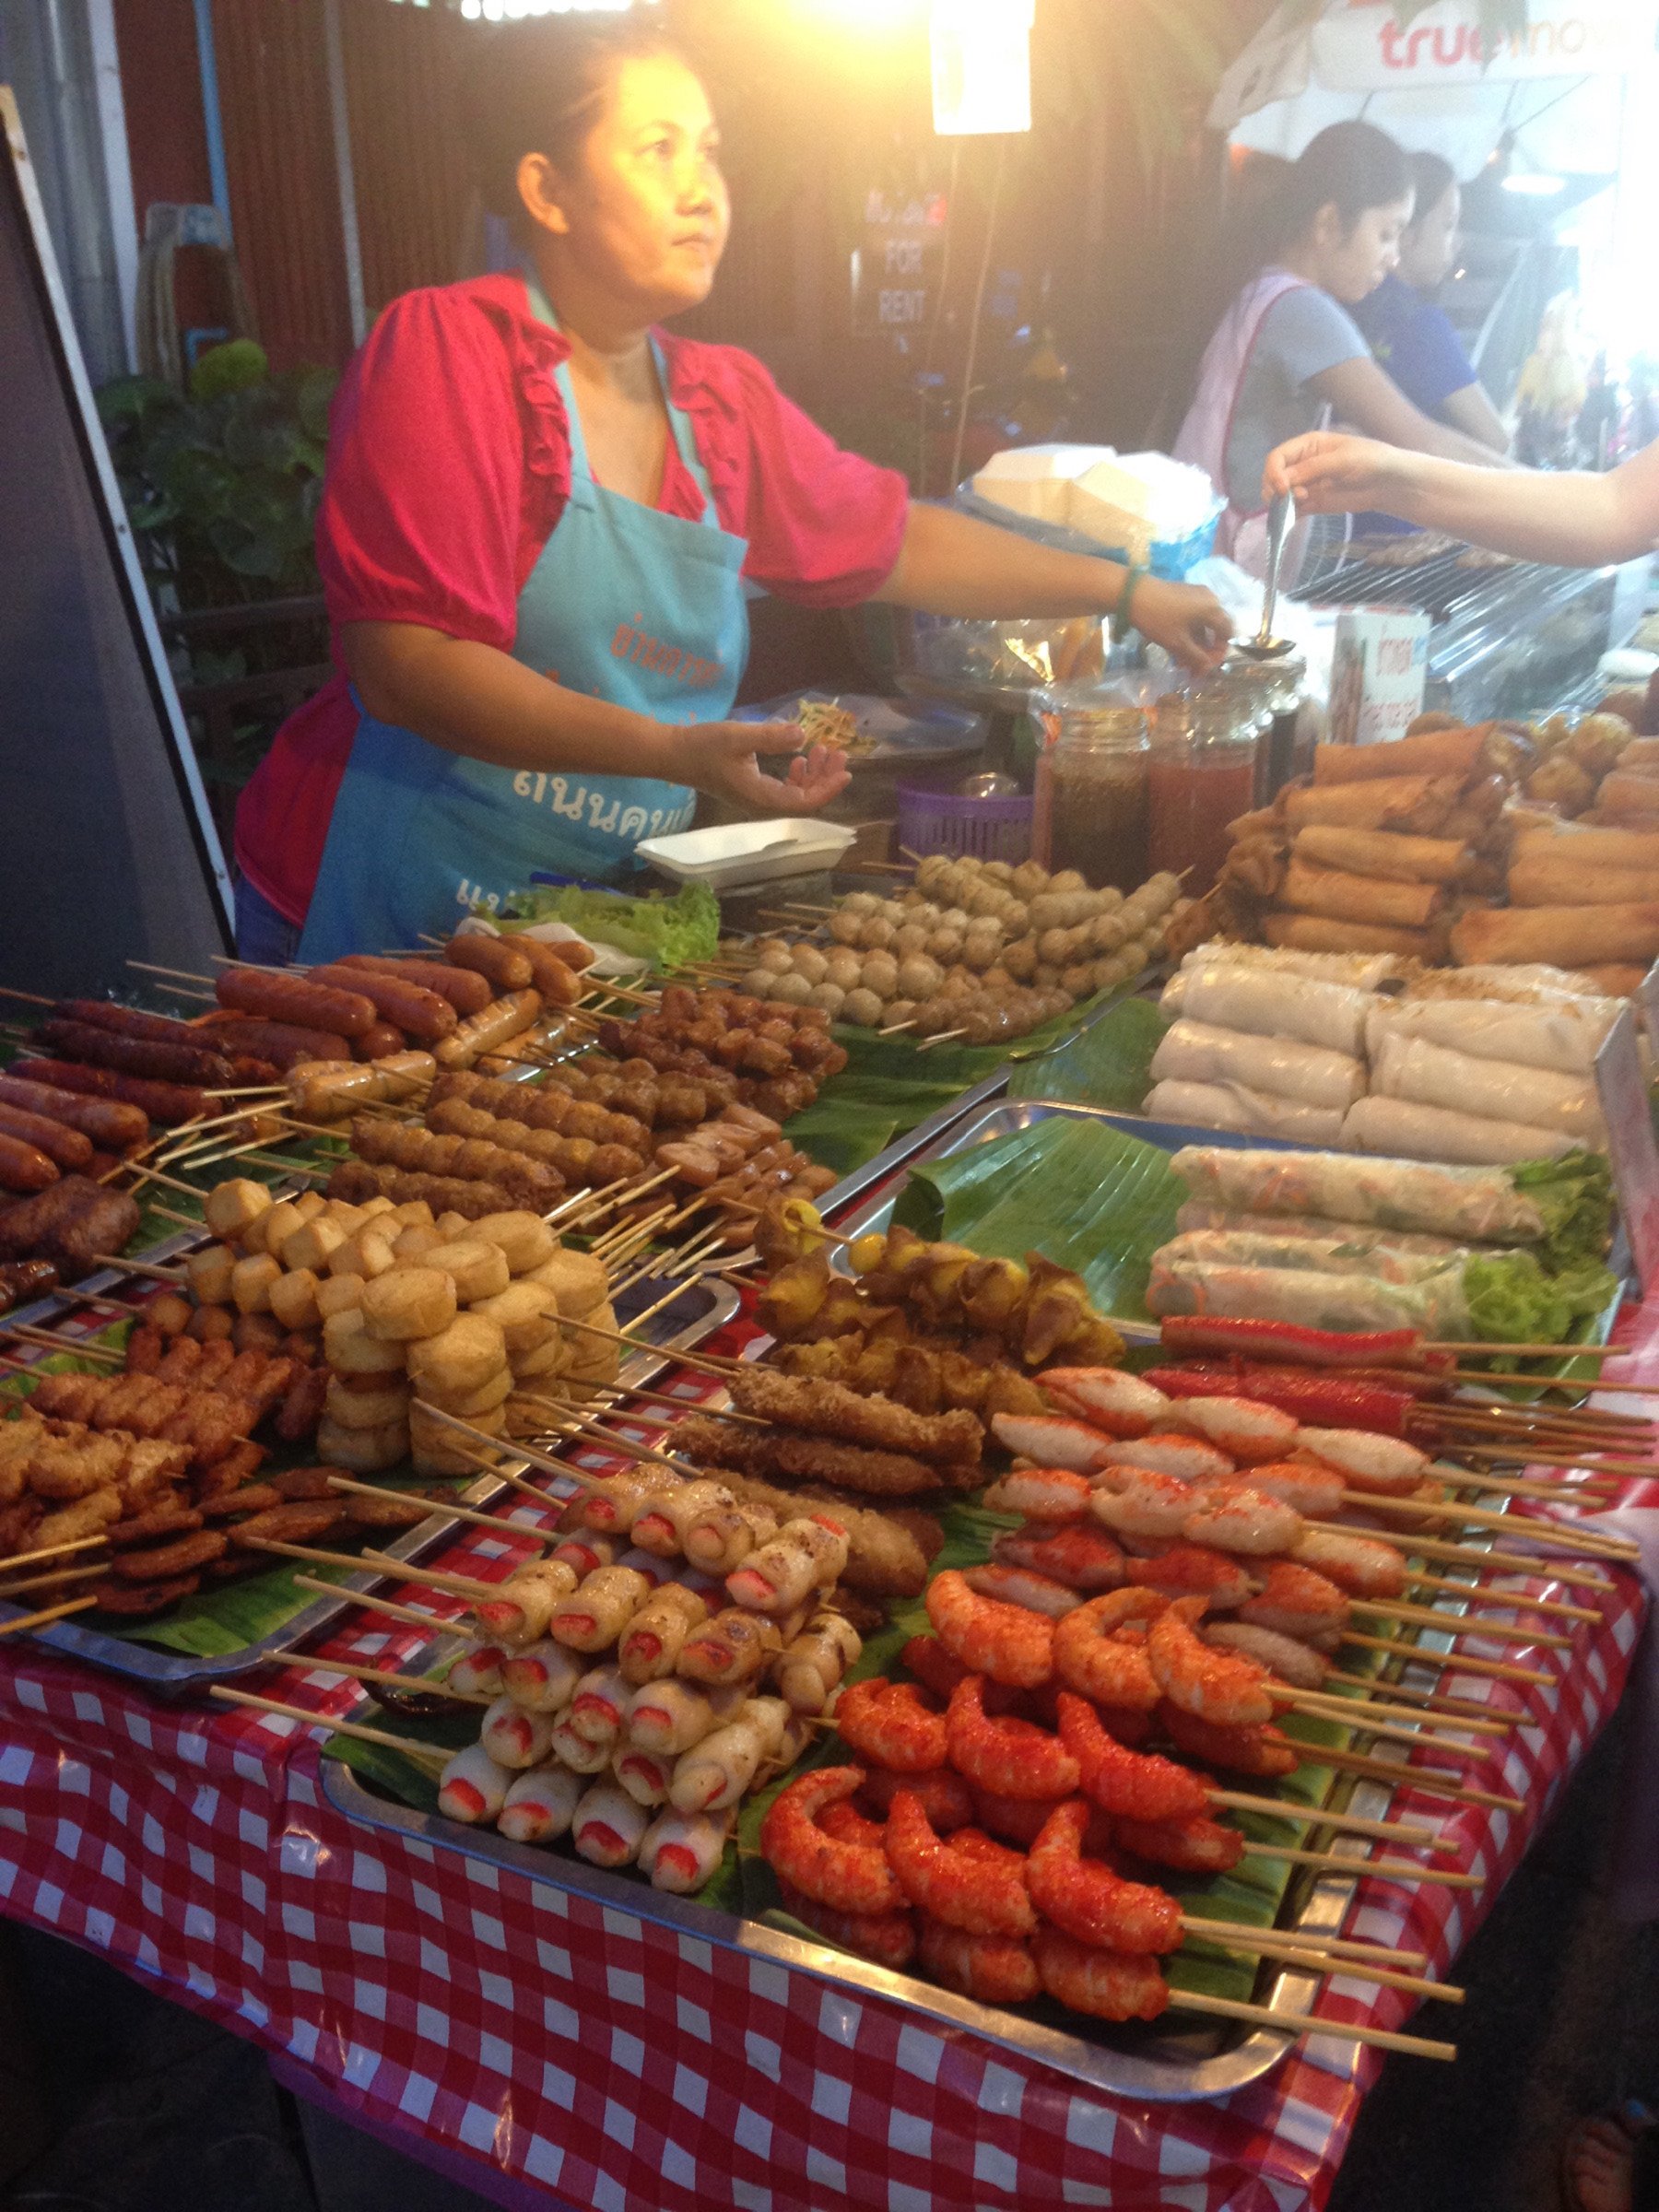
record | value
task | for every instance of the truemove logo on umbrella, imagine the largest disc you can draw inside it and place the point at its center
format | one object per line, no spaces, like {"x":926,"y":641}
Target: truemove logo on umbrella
{"x":1363,"y":47}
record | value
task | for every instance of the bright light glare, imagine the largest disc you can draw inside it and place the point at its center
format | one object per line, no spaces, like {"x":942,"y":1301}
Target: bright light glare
{"x":861,"y":15}
{"x":1535,"y":188}
{"x":981,"y":65}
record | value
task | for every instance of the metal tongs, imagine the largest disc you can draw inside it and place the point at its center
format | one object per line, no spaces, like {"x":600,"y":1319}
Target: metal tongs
{"x":1281,"y":520}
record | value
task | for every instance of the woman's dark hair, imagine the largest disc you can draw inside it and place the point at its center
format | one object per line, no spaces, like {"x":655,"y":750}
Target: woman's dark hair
{"x":1350,"y":166}
{"x":541,"y":87}
{"x":1432,"y":178}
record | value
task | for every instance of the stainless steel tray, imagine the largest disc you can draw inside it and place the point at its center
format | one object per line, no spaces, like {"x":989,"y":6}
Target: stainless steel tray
{"x":1164,"y":2064}
{"x":711,"y":1305}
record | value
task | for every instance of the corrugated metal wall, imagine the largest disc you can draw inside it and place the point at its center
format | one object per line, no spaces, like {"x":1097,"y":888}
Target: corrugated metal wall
{"x":402,"y":64}
{"x":279,"y":153}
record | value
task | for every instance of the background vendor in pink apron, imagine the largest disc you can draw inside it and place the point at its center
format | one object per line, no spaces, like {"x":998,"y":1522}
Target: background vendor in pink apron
{"x":1287,"y":356}
{"x":539,"y":516}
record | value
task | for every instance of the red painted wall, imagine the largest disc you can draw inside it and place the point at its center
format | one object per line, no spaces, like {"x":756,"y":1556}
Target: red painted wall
{"x":161,"y":88}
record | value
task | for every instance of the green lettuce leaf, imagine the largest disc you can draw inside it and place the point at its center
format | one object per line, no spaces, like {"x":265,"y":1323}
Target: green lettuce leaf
{"x":1512,"y":1301}
{"x":1574,"y":1195}
{"x":667,"y":931}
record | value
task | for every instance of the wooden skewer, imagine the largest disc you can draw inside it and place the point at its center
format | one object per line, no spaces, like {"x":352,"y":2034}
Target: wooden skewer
{"x":1265,"y":1944}
{"x":1463,"y":1709}
{"x":184,"y":1220}
{"x":682,"y":1358}
{"x":171,"y":1182}
{"x":411,"y":1746}
{"x":1498,"y":1670}
{"x":1347,"y":1824}
{"x":454,"y":1585}
{"x":1529,"y":1420}
{"x":156,"y":1274}
{"x":30,"y":998}
{"x":82,"y":1348}
{"x":43,"y":1620}
{"x":1588,"y":1541}
{"x":1299,"y":1939}
{"x":1544,"y":1493}
{"x":186,"y":975}
{"x":380,"y":1605}
{"x":1357,"y":1712}
{"x":1422,"y":1778}
{"x":1534,"y":1351}
{"x":554,"y":1466}
{"x":1453,"y":1624}
{"x":939,"y":1037}
{"x":1509,"y":1562}
{"x":1514,"y":1601}
{"x":50,"y":1551}
{"x":1306,"y":2023}
{"x":574,"y":1422}
{"x":52,"y":1577}
{"x":427,"y":1685}
{"x":461,"y":1512}
{"x":1601,"y":1464}
{"x":1344,"y":1861}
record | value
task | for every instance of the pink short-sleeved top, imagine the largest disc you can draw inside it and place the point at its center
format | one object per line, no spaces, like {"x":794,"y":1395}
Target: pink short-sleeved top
{"x":448,"y":467}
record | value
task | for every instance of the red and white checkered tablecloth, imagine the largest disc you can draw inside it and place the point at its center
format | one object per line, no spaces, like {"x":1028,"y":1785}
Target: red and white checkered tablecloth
{"x":618,"y":2064}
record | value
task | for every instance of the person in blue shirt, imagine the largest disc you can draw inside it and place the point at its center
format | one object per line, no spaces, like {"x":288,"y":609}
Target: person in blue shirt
{"x":1408,"y":334}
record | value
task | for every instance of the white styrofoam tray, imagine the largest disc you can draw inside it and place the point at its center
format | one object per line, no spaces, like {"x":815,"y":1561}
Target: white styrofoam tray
{"x":745,"y":852}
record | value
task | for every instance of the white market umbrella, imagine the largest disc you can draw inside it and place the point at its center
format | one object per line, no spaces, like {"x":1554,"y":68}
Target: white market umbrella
{"x":1560,"y":87}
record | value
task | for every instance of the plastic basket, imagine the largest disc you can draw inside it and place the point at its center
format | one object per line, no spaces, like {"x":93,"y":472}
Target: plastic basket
{"x":937,"y":821}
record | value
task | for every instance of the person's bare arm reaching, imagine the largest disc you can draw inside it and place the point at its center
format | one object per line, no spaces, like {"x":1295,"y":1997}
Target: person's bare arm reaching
{"x":1575,"y":521}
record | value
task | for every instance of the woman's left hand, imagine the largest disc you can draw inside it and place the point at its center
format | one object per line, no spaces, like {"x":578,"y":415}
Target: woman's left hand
{"x":722,"y":758}
{"x":1191,"y":625}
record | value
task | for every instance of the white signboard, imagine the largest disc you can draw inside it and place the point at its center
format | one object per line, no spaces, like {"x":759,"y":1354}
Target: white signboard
{"x":1361,"y":47}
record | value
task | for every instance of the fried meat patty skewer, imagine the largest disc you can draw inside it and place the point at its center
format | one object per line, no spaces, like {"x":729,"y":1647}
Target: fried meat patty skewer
{"x":555,"y":1106}
{"x":578,"y":1159}
{"x":780,"y":1455}
{"x":832,"y":1409}
{"x":356,"y":1181}
{"x":470,"y":1159}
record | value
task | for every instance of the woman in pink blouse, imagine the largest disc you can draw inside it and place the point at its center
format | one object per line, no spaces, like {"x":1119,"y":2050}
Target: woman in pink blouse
{"x":539,"y":516}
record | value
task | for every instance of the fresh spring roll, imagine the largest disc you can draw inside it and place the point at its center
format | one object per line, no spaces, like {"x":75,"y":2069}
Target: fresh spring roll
{"x":1196,"y":1215}
{"x":1253,"y":1112}
{"x":1406,"y":1129}
{"x":1359,"y":970}
{"x":1564,"y":1038}
{"x":1306,"y":1299}
{"x":1479,"y":1203}
{"x":1526,"y":984}
{"x":1496,"y":1090}
{"x":1266,"y":1004}
{"x":1194,"y":1051}
{"x":1377,"y":1257}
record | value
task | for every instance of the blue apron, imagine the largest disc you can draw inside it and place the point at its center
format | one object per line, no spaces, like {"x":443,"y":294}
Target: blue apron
{"x":626,"y":603}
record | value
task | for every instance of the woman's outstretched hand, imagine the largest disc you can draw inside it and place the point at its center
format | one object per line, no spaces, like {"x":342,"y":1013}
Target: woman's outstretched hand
{"x":722,"y":758}
{"x":1191,"y":625}
{"x":1330,"y":474}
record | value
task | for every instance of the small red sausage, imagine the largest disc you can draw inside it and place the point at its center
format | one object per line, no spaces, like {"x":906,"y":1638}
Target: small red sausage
{"x":110,"y":1124}
{"x":294,"y":999}
{"x":168,"y":1103}
{"x":191,"y":1064}
{"x":379,"y":1043}
{"x":423,"y":1015}
{"x":505,"y":964}
{"x":24,"y":1167}
{"x":556,"y":980}
{"x":466,"y":990}
{"x":66,"y":1147}
{"x":281,"y":1042}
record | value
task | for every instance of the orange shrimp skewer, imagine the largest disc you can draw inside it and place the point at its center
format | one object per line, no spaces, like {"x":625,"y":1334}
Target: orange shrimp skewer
{"x":1014,"y":1757}
{"x":890,"y":1725}
{"x":997,"y":1970}
{"x":1211,"y":1684}
{"x":848,"y":1877}
{"x":1109,"y":1984}
{"x":889,"y":1938}
{"x":1088,"y":1659}
{"x":1137,"y":1785}
{"x":963,"y":1887}
{"x":1004,"y":1641}
{"x":1085,"y":1899}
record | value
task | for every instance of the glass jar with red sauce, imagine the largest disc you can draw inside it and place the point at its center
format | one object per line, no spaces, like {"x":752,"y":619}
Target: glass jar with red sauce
{"x":1201,"y":776}
{"x":1091,"y":812}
